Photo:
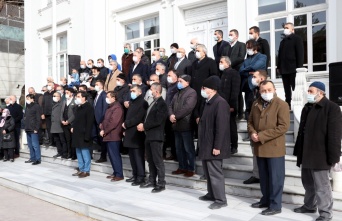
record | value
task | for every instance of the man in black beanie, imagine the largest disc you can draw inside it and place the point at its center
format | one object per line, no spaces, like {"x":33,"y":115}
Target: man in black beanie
{"x":214,"y":141}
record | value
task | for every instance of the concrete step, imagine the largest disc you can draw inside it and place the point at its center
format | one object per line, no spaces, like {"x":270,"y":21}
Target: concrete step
{"x":293,"y":192}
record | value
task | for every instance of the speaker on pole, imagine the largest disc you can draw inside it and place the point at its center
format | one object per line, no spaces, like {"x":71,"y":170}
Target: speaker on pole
{"x":335,"y":82}
{"x":73,"y":62}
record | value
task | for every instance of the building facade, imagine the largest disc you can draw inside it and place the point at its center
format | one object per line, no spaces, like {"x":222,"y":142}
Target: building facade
{"x":95,"y":29}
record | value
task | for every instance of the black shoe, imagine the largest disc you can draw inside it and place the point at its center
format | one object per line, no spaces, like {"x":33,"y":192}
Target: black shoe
{"x":28,"y":161}
{"x":12,"y":160}
{"x":246,"y":139}
{"x":321,"y":218}
{"x":48,"y":144}
{"x":206,"y":198}
{"x":138,"y":183}
{"x":130,"y":180}
{"x":147,"y":185}
{"x":158,"y":189}
{"x":69,"y":156}
{"x":259,"y":205}
{"x":240,"y":116}
{"x":251,"y":180}
{"x":4,"y":159}
{"x":36,"y":162}
{"x":57,"y":155}
{"x":302,"y":209}
{"x":217,"y":205}
{"x":73,"y":158}
{"x":203,"y":177}
{"x":100,"y":160}
{"x":233,"y":150}
{"x":269,"y":212}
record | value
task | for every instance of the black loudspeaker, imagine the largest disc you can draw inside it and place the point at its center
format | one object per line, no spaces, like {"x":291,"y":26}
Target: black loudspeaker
{"x":335,"y":82}
{"x":74,"y":62}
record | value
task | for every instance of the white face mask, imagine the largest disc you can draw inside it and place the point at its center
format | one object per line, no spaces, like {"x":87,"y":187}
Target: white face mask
{"x":250,"y":51}
{"x":89,"y":66}
{"x":162,"y":54}
{"x":135,"y":58}
{"x":221,"y":66}
{"x":267,"y":96}
{"x":169,"y":79}
{"x":134,"y":82}
{"x":97,"y":88}
{"x":311,"y":98}
{"x":108,"y":100}
{"x":28,"y":102}
{"x":78,"y":101}
{"x":251,"y":37}
{"x":49,"y":88}
{"x":215,"y":38}
{"x":3,"y":114}
{"x":230,"y":39}
{"x":254,"y":82}
{"x":173,"y":50}
{"x":157,"y":73}
{"x":287,"y":32}
{"x":99,"y":65}
{"x":193,"y":47}
{"x":82,"y":66}
{"x":179,"y":55}
{"x":152,"y":82}
{"x":55,"y":99}
{"x":153,"y":58}
{"x":118,"y":83}
{"x":204,"y":94}
{"x":198,"y":55}
{"x":67,"y":96}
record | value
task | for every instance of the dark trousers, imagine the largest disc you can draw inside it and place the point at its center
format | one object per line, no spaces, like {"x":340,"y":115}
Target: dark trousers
{"x":48,"y":126}
{"x":61,"y":145}
{"x":17,"y":136}
{"x":99,"y":140}
{"x":136,"y":157}
{"x":113,"y":148}
{"x":215,"y":180}
{"x":169,"y":139}
{"x":233,"y":130}
{"x":318,"y":193}
{"x":154,"y":155}
{"x":240,"y":103}
{"x":272,"y":177}
{"x":9,"y":153}
{"x":185,"y":149}
{"x":71,"y":151}
{"x":289,"y":83}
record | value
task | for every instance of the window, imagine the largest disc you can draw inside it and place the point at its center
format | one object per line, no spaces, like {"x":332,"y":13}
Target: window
{"x":144,"y":33}
{"x":305,"y":3}
{"x":61,"y":56}
{"x":269,"y":6}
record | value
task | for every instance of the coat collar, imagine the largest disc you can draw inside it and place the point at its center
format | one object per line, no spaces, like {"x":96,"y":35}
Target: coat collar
{"x":212,"y":99}
{"x":322,"y":102}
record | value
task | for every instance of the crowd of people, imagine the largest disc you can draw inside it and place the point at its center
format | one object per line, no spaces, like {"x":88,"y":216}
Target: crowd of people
{"x":141,"y":108}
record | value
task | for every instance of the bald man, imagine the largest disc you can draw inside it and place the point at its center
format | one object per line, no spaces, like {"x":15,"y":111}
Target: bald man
{"x":192,"y":53}
{"x":182,"y":62}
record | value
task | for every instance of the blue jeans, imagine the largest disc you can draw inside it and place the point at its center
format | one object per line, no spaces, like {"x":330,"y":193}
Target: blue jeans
{"x":33,"y":144}
{"x":185,"y":150}
{"x":83,"y":158}
{"x":113,"y":148}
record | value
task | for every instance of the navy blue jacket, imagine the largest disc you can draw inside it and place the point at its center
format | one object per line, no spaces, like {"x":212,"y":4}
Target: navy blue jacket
{"x":100,"y":107}
{"x":141,"y":69}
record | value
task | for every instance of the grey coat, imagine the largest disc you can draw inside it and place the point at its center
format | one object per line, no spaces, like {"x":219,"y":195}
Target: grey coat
{"x":9,"y":128}
{"x":56,"y":124}
{"x":71,"y":110}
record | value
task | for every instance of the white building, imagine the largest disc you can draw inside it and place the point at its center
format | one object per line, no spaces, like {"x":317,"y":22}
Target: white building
{"x":96,"y":28}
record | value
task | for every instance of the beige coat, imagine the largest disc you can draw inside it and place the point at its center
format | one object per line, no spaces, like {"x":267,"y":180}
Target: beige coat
{"x":110,"y":84}
{"x":270,"y":124}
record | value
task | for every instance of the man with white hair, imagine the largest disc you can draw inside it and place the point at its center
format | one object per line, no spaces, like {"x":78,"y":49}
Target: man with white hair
{"x":192,"y":53}
{"x":137,"y":67}
{"x":51,"y":80}
{"x":156,"y":58}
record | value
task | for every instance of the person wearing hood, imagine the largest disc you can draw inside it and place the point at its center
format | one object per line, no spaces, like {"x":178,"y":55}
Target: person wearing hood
{"x":111,"y":58}
{"x":7,"y":138}
{"x":127,"y":59}
{"x":56,"y":127}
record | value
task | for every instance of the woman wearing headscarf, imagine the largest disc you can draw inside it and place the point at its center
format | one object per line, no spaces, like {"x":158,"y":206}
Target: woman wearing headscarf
{"x":7,"y":126}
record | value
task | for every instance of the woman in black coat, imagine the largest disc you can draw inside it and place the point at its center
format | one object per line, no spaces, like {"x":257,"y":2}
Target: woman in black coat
{"x":7,"y":126}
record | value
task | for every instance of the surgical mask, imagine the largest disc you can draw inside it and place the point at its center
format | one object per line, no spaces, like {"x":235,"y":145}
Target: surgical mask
{"x":204,"y":94}
{"x":221,"y":66}
{"x":287,"y":32}
{"x":118,"y":83}
{"x":49,"y":88}
{"x":180,"y":86}
{"x":215,"y":38}
{"x":267,"y":96}
{"x":55,"y":99}
{"x":173,"y":50}
{"x":230,"y":39}
{"x":198,"y":54}
{"x":82,"y":66}
{"x":99,"y":65}
{"x":153,"y":58}
{"x":135,"y":58}
{"x":250,"y":51}
{"x":78,"y":101}
{"x":157,"y":73}
{"x":134,"y":82}
{"x":162,"y":54}
{"x":126,"y":50}
{"x":179,"y":55}
{"x":254,"y":82}
{"x":67,"y":96}
{"x":97,"y":88}
{"x":311,"y":98}
{"x":169,"y":79}
{"x":3,"y":114}
{"x":251,"y":37}
{"x":133,"y":95}
{"x":108,"y":101}
{"x":28,"y":102}
{"x":62,"y":84}
{"x":152,"y":82}
{"x":89,"y":66}
{"x":61,"y":92}
{"x":192,"y":46}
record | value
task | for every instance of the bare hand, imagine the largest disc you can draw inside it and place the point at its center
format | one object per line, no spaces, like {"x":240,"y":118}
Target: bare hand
{"x":126,"y":104}
{"x":102,"y":133}
{"x":43,"y":117}
{"x":173,"y":118}
{"x":197,"y":120}
{"x":216,"y":152}
{"x":140,"y":127}
{"x":123,"y":126}
{"x":3,"y":132}
{"x":72,"y":130}
{"x":35,"y":131}
{"x":255,"y":137}
{"x":231,"y":109}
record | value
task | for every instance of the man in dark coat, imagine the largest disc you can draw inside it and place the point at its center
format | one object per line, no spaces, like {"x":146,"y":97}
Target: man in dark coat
{"x":180,"y":115}
{"x":153,"y":126}
{"x":290,"y":57}
{"x":17,"y":113}
{"x":126,"y":59}
{"x":156,"y":59}
{"x":192,"y":53}
{"x":264,"y":47}
{"x":134,"y":139}
{"x":219,"y":46}
{"x":81,"y":130}
{"x":144,"y":58}
{"x":121,"y":89}
{"x":230,"y":88}
{"x":67,"y":118}
{"x":182,"y":63}
{"x":214,"y":141}
{"x":318,"y":148}
{"x":138,"y":67}
{"x":7,"y":127}
{"x":103,"y":70}
{"x":47,"y":109}
{"x":171,"y":61}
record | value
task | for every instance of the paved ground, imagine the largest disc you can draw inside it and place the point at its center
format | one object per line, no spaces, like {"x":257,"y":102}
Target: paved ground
{"x":19,"y":206}
{"x":104,"y":200}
